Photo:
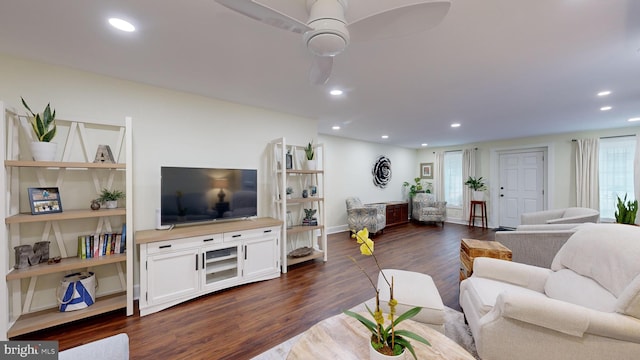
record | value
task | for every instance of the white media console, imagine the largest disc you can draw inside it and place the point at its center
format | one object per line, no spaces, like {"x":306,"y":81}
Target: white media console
{"x":185,"y":262}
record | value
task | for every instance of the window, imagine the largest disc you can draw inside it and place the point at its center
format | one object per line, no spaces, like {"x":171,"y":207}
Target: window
{"x":615,"y":171}
{"x":453,"y":178}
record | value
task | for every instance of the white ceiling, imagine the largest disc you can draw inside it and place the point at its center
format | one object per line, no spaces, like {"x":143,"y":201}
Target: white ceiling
{"x":501,"y":68}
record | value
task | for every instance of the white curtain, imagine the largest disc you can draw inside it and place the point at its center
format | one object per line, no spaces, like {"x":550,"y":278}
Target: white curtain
{"x":587,"y":186}
{"x":438,"y":176}
{"x":468,"y":169}
{"x":636,"y":173}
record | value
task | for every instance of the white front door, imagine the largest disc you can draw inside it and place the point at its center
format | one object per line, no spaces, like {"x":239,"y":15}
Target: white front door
{"x":521,"y":187}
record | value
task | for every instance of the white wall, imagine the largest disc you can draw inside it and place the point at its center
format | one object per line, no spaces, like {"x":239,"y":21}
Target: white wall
{"x":349,"y":173}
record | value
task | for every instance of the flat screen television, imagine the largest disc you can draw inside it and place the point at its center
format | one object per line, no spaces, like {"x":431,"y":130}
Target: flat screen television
{"x":198,"y":195}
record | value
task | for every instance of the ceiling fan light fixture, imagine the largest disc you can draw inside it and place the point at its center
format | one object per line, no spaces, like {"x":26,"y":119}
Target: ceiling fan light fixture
{"x":329,"y":38}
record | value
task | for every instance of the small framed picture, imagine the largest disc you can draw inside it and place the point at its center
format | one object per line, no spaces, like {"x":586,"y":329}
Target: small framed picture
{"x":426,"y":170}
{"x":44,"y":200}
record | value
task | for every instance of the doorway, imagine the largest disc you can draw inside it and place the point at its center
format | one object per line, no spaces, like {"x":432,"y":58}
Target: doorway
{"x":522,"y":182}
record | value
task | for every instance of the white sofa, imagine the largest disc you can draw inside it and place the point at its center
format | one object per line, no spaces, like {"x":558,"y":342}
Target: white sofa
{"x":570,"y":215}
{"x":114,"y":347}
{"x":587,"y":306}
{"x":535,"y":247}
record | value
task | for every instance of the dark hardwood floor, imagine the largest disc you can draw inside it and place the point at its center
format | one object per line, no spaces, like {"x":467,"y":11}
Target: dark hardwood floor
{"x":242,"y":322}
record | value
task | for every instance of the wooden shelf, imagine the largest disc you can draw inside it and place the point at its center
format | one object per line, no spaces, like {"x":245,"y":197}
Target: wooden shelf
{"x":51,"y":317}
{"x":62,"y":164}
{"x":70,"y":263}
{"x":304,"y":200}
{"x":316,"y":254}
{"x":300,"y":171}
{"x":65,"y":215}
{"x":302,"y":228}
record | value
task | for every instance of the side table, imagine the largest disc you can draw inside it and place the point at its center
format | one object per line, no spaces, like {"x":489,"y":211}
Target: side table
{"x":471,"y":249}
{"x":483,"y":213}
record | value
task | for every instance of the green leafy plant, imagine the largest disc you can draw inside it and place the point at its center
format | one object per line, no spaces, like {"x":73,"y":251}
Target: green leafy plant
{"x":386,"y":340}
{"x":44,"y":126}
{"x":627,"y":210}
{"x":417,"y":187}
{"x":289,"y":190}
{"x":309,"y":151}
{"x":308,"y":213}
{"x":110,"y":195}
{"x":476,"y":184}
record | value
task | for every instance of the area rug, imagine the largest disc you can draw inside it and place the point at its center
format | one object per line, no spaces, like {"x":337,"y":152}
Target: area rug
{"x":455,"y":329}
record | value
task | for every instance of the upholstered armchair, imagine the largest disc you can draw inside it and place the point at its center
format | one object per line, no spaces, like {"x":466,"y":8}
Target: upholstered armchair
{"x":587,"y":306}
{"x":571,"y":215}
{"x":426,"y":208}
{"x":360,"y":216}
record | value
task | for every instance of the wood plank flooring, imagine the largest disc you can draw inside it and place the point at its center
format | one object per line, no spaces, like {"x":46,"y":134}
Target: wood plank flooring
{"x":242,"y":322}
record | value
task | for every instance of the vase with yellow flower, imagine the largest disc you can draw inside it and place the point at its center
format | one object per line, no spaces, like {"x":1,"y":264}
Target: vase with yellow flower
{"x":387,"y":341}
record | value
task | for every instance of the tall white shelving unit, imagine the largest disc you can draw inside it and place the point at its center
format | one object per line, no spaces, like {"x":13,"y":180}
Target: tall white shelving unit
{"x":28,"y":294}
{"x":291,"y":210}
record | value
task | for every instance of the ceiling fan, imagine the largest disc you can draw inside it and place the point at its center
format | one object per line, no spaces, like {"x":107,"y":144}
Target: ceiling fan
{"x":327,"y":33}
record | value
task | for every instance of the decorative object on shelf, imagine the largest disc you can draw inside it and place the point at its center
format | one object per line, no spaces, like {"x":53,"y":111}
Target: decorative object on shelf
{"x":478,"y":186}
{"x":110,"y":198}
{"x":313,"y":190}
{"x":289,"y":220}
{"x":381,"y":172}
{"x":385,"y":340}
{"x":44,"y":200}
{"x":95,"y":204}
{"x":54,"y":260}
{"x":44,"y":128}
{"x":309,"y":220}
{"x":627,"y":210}
{"x":104,"y":155}
{"x":305,"y":193}
{"x":289,"y":192}
{"x":23,"y":256}
{"x":78,"y":291}
{"x":310,"y":156}
{"x":289,"y":159}
{"x":41,"y":252}
{"x":426,"y":170}
{"x":301,"y":252}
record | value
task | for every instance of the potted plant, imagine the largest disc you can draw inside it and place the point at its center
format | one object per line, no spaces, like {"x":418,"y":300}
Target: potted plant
{"x":308,"y":217}
{"x":289,"y":192}
{"x":417,"y":187}
{"x":478,"y":186}
{"x":627,"y":210}
{"x":44,"y":129}
{"x":110,"y":198}
{"x":310,"y":156}
{"x":385,"y":340}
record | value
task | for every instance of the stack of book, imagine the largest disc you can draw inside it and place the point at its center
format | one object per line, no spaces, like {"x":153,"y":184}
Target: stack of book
{"x":310,"y":222}
{"x":97,"y":245}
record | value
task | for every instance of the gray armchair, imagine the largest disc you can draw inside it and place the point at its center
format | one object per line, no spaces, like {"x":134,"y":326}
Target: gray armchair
{"x":426,"y":208}
{"x":360,"y":216}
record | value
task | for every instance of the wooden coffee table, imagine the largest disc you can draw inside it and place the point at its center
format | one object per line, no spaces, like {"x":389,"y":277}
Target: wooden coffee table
{"x":343,"y":337}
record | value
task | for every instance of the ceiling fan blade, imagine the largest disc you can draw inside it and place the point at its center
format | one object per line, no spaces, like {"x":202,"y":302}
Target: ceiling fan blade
{"x":399,"y":21}
{"x":320,"y":70}
{"x":266,"y":15}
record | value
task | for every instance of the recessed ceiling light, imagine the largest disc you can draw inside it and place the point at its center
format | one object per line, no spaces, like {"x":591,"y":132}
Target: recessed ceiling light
{"x":604,"y":93}
{"x":634,"y":119}
{"x":121,"y":25}
{"x":455,"y":125}
{"x":336,"y":127}
{"x":336,"y":92}
{"x":424,"y":144}
{"x":385,"y":136}
{"x":605,"y":108}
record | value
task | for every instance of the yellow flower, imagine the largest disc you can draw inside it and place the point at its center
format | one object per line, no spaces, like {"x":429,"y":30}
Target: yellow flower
{"x":361,"y":235}
{"x":367,"y":247}
{"x":378,"y":317}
